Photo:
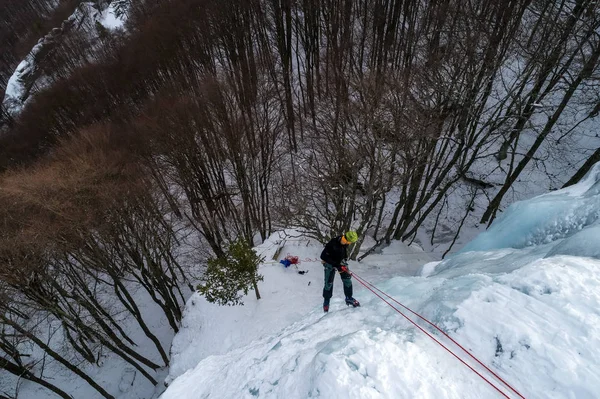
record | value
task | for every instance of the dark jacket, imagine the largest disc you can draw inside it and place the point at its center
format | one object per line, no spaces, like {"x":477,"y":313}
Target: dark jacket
{"x":334,"y":252}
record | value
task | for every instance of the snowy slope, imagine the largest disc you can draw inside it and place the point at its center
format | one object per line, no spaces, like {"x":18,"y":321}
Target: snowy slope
{"x":518,"y":297}
{"x":288,"y":297}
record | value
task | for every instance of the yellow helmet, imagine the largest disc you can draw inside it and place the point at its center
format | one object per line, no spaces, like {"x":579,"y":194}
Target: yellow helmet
{"x":351,"y":236}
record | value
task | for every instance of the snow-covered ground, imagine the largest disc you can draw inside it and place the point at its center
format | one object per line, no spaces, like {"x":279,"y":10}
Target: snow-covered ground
{"x":524,"y":298}
{"x":288,"y":297}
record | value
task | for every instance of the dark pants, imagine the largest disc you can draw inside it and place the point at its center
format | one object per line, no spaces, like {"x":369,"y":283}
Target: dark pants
{"x":330,"y":272}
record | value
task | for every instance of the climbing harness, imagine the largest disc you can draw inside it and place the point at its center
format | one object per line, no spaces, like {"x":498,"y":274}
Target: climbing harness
{"x":371,"y":287}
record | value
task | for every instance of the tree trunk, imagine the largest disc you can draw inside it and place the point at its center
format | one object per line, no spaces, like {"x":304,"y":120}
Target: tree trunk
{"x":255,"y":285}
{"x":591,"y":161}
{"x":587,"y":70}
{"x":56,"y":356}
{"x":22,"y":372}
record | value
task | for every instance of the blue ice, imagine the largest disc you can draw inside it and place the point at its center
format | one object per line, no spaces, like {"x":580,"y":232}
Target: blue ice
{"x":567,"y":218}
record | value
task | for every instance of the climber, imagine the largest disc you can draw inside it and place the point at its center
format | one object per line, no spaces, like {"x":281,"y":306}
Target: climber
{"x":334,"y":258}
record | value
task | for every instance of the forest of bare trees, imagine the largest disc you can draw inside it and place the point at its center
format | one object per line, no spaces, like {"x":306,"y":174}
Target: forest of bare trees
{"x":217,"y":120}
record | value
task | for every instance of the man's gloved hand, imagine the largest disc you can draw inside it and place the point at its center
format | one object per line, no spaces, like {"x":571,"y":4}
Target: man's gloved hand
{"x":343,"y":269}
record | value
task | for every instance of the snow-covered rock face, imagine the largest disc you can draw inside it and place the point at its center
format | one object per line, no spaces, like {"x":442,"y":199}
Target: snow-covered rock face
{"x":110,"y":20}
{"x":526,"y":311}
{"x":26,"y":74}
{"x":549,"y":218}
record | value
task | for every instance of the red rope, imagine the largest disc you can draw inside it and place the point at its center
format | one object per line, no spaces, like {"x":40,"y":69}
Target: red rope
{"x":448,"y":336}
{"x":364,"y":283}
